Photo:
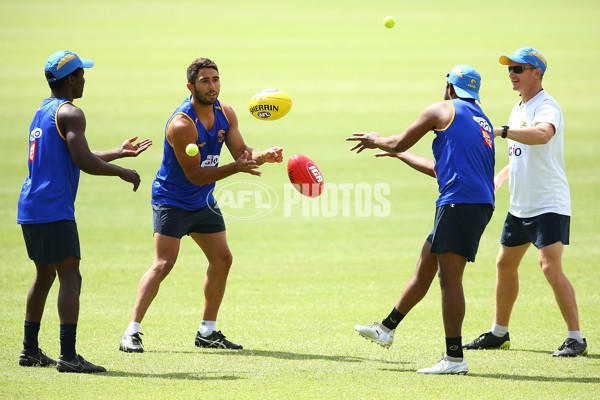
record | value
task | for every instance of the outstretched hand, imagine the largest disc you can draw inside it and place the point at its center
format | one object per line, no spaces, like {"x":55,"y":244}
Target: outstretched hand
{"x":128,"y":149}
{"x":274,"y":154}
{"x":367,"y":140}
{"x":242,"y":164}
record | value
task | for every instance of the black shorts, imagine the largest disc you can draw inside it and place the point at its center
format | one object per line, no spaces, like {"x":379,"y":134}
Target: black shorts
{"x":52,"y":241}
{"x":542,"y":230}
{"x":458,"y":228}
{"x":177,"y":222}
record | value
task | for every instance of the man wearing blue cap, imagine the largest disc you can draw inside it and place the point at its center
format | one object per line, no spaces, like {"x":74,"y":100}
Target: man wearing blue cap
{"x":58,"y":150}
{"x":540,"y":203}
{"x":464,"y":167}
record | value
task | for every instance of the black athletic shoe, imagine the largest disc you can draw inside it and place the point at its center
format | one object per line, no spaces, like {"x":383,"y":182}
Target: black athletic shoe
{"x":488,"y":341}
{"x":132,"y":343}
{"x":216,"y":340}
{"x":78,"y":364}
{"x":26,"y":359}
{"x":572,"y":348}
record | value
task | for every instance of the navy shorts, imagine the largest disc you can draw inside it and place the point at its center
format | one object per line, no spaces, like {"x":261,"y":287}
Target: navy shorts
{"x":51,"y":242}
{"x":542,"y":230}
{"x":458,"y":228}
{"x":177,"y":222}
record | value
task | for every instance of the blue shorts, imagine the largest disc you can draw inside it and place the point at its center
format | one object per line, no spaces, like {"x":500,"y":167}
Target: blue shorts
{"x":542,"y":230}
{"x":177,"y":222}
{"x":458,"y":228}
{"x":51,"y":242}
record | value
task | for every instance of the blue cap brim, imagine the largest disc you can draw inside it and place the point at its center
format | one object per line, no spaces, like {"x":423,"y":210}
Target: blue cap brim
{"x":87,"y":63}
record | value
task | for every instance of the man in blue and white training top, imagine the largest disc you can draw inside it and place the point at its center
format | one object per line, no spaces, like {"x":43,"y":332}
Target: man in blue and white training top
{"x":183,"y":203}
{"x":540,"y":202}
{"x":58,"y":151}
{"x":464,"y":167}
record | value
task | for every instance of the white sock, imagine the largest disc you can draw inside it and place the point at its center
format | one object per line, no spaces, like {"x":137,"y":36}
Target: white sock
{"x":499,"y":330}
{"x":575,"y":335}
{"x":207,"y":327}
{"x":134,"y":327}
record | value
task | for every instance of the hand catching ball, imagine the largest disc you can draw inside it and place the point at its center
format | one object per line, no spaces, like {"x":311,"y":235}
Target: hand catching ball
{"x":389,"y":22}
{"x":191,"y":149}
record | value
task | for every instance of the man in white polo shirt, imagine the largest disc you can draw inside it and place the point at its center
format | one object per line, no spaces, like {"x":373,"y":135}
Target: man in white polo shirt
{"x":540,"y":203}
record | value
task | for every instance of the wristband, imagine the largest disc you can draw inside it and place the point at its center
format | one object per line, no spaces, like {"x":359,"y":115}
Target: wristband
{"x":504,"y":131}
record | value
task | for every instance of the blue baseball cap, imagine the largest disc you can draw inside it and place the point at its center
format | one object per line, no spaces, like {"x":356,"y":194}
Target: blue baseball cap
{"x":62,"y":63}
{"x":526,"y":55}
{"x":466,"y":81}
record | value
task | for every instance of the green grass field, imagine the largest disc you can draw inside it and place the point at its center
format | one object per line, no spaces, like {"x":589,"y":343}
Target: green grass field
{"x":299,"y":283}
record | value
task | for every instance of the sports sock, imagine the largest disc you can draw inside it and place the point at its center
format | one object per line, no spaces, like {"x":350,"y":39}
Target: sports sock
{"x":207,"y":327}
{"x":575,"y":335}
{"x":392,"y":320}
{"x":134,"y":327}
{"x":30,"y":338}
{"x":454,"y":347}
{"x":68,"y":333}
{"x":499,"y":330}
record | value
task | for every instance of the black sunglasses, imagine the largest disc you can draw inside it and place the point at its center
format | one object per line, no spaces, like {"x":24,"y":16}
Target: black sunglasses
{"x":518,"y":69}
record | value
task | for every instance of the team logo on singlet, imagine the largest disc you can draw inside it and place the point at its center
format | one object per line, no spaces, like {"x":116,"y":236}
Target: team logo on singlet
{"x":523,"y":124}
{"x":221,"y":134}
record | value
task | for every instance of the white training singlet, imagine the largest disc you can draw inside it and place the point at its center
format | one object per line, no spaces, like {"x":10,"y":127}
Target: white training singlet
{"x":537,"y":176}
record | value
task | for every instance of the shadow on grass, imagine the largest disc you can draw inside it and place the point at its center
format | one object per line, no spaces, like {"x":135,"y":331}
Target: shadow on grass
{"x":594,"y":356}
{"x":285,"y":355}
{"x":186,"y":376}
{"x":507,"y":377}
{"x":556,"y":379}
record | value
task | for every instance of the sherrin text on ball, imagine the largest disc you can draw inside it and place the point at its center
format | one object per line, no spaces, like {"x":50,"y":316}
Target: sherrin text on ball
{"x":270,"y":104}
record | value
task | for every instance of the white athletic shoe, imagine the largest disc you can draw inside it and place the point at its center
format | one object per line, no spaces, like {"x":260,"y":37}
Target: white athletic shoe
{"x":445,"y":366}
{"x":376,"y":333}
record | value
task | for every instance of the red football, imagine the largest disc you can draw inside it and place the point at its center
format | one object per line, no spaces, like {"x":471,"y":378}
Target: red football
{"x":305,"y":175}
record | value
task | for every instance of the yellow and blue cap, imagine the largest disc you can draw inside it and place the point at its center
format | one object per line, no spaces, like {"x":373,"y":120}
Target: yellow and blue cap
{"x":63,"y":63}
{"x":526,"y":55}
{"x":466,"y":81}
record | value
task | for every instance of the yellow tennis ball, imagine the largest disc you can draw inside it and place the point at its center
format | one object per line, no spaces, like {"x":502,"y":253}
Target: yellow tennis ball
{"x":191,"y":149}
{"x":389,"y":22}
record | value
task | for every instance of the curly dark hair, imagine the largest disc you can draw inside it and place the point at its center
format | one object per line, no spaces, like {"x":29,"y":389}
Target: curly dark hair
{"x":197,"y":65}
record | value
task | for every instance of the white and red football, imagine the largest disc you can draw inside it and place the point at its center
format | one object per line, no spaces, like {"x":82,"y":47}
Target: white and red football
{"x":305,"y":175}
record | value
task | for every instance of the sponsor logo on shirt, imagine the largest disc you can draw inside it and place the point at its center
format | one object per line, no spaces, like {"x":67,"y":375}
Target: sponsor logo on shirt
{"x":483,"y":123}
{"x":487,"y":139}
{"x":212,"y":160}
{"x":514,"y":151}
{"x":486,"y":131}
{"x":33,"y":143}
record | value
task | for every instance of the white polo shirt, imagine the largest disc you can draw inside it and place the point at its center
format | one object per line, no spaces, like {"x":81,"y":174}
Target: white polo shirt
{"x":537,"y":176}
